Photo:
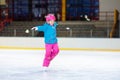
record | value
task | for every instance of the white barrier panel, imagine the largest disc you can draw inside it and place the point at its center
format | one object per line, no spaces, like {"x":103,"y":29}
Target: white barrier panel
{"x":64,"y":43}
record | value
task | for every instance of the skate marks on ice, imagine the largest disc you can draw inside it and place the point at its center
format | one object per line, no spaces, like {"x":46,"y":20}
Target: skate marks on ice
{"x":68,"y":65}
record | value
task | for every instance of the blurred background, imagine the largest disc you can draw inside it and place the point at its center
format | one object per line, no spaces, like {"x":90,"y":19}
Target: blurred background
{"x":76,"y":18}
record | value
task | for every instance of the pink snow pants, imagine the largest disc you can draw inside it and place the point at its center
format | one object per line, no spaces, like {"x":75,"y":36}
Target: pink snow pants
{"x":51,"y":51}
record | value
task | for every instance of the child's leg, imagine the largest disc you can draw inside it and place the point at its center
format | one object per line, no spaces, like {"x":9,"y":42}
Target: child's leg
{"x":47,"y":58}
{"x":55,"y":51}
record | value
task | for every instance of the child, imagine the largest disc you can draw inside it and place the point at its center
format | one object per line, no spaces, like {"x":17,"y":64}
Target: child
{"x":51,"y":45}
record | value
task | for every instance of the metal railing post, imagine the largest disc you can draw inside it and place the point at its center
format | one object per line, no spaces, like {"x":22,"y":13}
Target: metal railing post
{"x":14,"y":32}
{"x":33,"y":33}
{"x":91,"y":33}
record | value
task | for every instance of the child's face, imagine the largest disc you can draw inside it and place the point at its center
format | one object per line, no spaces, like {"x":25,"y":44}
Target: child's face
{"x":51,"y":22}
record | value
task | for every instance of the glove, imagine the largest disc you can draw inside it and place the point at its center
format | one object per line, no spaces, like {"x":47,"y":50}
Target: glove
{"x":34,"y":28}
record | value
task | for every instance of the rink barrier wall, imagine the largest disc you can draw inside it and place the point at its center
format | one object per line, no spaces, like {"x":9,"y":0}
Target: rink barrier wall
{"x":37,"y":43}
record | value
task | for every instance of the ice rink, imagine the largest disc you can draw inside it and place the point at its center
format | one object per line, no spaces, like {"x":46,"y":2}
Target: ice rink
{"x":68,"y":65}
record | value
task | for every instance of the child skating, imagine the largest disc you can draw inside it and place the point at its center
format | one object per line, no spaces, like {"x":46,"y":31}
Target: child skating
{"x":51,"y":42}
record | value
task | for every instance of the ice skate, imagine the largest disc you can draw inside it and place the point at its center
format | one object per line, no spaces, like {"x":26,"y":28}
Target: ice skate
{"x":45,"y":69}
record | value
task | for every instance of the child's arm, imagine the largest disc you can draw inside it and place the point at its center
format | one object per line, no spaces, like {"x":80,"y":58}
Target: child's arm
{"x":34,"y":28}
{"x":39,"y":28}
{"x":56,"y":24}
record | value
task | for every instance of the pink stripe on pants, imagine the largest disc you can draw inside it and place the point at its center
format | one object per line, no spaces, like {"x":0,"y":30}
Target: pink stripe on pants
{"x":51,"y":51}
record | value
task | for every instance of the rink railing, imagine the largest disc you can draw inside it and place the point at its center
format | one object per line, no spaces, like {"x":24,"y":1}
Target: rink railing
{"x":98,"y":29}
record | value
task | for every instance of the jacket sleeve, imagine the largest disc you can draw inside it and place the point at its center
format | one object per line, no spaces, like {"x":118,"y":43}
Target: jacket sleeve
{"x":41,"y":28}
{"x":56,"y":24}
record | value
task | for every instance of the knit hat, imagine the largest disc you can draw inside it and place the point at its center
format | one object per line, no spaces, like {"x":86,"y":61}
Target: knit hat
{"x":50,"y":17}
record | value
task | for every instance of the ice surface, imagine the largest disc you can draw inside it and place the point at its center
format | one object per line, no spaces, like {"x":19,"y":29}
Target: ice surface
{"x":68,"y":65}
